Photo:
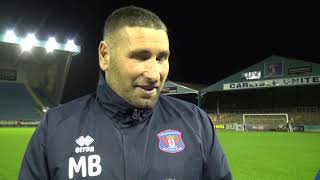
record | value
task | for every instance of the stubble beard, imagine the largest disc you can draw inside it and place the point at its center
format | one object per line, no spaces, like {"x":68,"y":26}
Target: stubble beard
{"x":143,"y":102}
{"x":137,"y":100}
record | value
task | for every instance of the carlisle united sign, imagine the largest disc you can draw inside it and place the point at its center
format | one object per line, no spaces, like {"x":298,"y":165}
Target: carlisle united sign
{"x":310,"y":80}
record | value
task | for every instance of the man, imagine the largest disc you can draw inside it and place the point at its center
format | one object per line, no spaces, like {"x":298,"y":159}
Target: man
{"x":127,"y":130}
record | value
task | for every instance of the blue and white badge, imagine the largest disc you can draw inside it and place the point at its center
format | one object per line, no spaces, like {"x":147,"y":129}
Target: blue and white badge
{"x":170,"y":141}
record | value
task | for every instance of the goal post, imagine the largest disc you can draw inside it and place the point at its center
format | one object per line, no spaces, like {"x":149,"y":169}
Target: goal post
{"x":265,"y":121}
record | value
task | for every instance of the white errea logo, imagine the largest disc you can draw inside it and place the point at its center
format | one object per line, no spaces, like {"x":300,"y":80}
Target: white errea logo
{"x":84,"y":141}
{"x":88,"y":166}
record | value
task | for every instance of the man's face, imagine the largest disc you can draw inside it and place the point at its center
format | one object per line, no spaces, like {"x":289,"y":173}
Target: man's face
{"x":139,"y":65}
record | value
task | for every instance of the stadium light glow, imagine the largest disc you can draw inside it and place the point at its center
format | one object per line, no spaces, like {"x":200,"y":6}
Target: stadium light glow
{"x":70,"y":46}
{"x":28,"y":42}
{"x":10,"y":36}
{"x":51,"y":45}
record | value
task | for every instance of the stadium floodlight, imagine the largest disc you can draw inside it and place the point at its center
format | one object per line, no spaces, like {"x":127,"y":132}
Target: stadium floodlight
{"x":70,"y":46}
{"x":51,"y":45}
{"x":10,"y":36}
{"x":28,"y":42}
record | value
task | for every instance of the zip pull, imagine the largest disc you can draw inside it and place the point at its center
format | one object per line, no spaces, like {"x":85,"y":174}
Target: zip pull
{"x":135,"y":114}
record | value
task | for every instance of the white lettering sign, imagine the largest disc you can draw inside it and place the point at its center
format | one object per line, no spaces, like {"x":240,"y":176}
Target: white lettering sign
{"x":273,"y":83}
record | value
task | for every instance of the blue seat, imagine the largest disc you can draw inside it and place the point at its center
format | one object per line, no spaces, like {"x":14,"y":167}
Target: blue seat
{"x":16,"y":103}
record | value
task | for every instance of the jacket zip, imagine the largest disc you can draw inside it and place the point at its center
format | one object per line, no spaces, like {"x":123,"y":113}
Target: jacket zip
{"x":135,"y":114}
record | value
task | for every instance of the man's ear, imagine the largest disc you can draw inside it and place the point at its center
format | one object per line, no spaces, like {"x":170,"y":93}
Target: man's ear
{"x":104,"y":55}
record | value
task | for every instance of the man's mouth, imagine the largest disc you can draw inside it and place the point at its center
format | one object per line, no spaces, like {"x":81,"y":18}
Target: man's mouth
{"x":148,"y":88}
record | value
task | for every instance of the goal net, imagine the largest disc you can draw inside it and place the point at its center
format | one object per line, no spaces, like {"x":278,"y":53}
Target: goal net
{"x":268,"y":121}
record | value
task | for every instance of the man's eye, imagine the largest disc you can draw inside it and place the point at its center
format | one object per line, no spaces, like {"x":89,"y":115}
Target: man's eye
{"x":162,"y":58}
{"x":141,"y":56}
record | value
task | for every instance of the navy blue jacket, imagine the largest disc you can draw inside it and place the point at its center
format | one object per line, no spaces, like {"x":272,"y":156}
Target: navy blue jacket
{"x":101,"y":137}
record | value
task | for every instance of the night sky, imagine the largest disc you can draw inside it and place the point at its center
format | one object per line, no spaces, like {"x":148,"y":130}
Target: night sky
{"x":209,"y":41}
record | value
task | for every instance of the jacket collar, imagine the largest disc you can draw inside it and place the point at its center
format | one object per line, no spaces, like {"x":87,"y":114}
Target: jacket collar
{"x":119,"y":108}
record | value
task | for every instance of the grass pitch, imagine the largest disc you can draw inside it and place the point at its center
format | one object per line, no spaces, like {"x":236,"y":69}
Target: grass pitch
{"x":251,"y":155}
{"x":13,"y":144}
{"x":272,"y":155}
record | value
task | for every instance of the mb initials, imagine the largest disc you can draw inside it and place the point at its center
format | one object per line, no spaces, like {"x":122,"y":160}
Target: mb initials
{"x":90,"y":166}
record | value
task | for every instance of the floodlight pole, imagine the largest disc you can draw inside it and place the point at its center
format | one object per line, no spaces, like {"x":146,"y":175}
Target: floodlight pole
{"x":218,"y":107}
{"x":199,"y":98}
{"x":66,"y":71}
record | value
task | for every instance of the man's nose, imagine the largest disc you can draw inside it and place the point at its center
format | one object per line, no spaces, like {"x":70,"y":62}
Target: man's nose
{"x":152,"y":70}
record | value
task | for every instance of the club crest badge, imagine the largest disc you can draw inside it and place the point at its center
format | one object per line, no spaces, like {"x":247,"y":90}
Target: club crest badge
{"x":170,"y":141}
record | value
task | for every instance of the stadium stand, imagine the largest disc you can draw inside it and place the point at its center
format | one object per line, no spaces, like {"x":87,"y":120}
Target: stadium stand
{"x":182,"y":90}
{"x":276,"y":85}
{"x":17,"y":105}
